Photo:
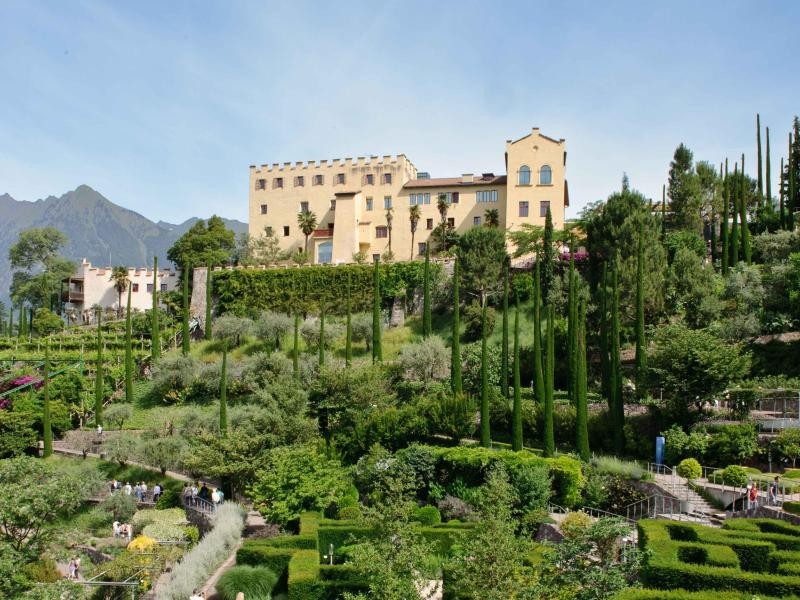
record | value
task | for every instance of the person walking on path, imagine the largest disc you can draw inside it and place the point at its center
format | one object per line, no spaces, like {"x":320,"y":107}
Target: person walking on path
{"x":773,"y":492}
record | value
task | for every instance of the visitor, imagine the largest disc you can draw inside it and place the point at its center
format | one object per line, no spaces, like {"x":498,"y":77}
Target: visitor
{"x":128,"y":490}
{"x":99,"y":430}
{"x":144,"y":491}
{"x":773,"y":492}
{"x":71,"y":569}
{"x":113,"y":485}
{"x":753,"y":499}
{"x":115,"y":528}
{"x":215,"y":496}
{"x":195,"y":492}
{"x":221,"y":496}
{"x":156,"y":492}
{"x":129,"y":531}
{"x":137,"y":491}
{"x":204,"y":494}
{"x":77,"y":567}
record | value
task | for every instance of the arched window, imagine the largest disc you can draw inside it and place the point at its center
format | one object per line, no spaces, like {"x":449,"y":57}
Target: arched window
{"x":524,"y":175}
{"x":324,"y":253}
{"x":545,"y":175}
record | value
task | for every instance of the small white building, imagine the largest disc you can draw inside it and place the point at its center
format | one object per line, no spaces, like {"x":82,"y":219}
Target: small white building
{"x":91,"y":287}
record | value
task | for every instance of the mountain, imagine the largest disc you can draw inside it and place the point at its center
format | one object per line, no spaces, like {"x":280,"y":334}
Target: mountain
{"x":97,"y":229}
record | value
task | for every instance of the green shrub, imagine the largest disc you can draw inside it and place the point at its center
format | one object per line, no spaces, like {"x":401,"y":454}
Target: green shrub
{"x":689,"y":468}
{"x":792,"y":506}
{"x":304,"y":582}
{"x":350,"y":513}
{"x":427,"y":515}
{"x":611,"y":465}
{"x":42,"y":571}
{"x":735,"y":475}
{"x":255,"y":582}
{"x":645,"y":594}
{"x":575,"y":523}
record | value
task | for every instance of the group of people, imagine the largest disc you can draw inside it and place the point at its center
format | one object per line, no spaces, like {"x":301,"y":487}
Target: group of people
{"x":74,"y":568}
{"x":197,"y":595}
{"x":139,"y":490}
{"x":122,"y":530}
{"x":195,"y":491}
{"x":751,"y":496}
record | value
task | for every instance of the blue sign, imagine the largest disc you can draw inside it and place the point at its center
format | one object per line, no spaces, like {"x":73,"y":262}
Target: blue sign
{"x":660,"y":450}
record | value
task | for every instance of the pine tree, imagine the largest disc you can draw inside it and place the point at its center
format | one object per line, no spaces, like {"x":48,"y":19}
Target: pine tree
{"x":128,"y":351}
{"x":155,"y":334}
{"x":223,"y":393}
{"x":618,"y":416}
{"x":549,"y":382}
{"x":641,"y":342}
{"x":377,"y":349}
{"x":758,"y":146}
{"x":455,"y":348}
{"x":46,"y":426}
{"x":581,"y":406}
{"x":209,"y":296}
{"x":516,"y":412}
{"x":321,"y":360}
{"x":98,"y":375}
{"x":486,"y":431}
{"x":734,"y":257}
{"x":296,"y":347}
{"x":427,"y":325}
{"x":538,"y":371}
{"x":504,"y":346}
{"x":548,"y":257}
{"x":185,"y":310}
{"x":348,"y":335}
{"x":769,"y":176}
{"x":723,"y":226}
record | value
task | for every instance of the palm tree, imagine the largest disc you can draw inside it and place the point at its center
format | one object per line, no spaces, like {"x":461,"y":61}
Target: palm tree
{"x":389,"y":219}
{"x":442,"y":206}
{"x":413,"y":217}
{"x":119,"y":275}
{"x":492,"y":217}
{"x":308,"y":223}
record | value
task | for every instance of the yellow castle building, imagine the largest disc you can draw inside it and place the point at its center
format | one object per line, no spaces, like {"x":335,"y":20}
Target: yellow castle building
{"x":364,"y":205}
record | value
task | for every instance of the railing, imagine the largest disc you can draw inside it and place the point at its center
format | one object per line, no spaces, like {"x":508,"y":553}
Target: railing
{"x":199,"y":504}
{"x":597,"y":513}
{"x":655,"y":506}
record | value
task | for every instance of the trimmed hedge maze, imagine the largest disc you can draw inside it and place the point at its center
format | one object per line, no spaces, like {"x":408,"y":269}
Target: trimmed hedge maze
{"x":757,"y":556}
{"x":297,"y":559}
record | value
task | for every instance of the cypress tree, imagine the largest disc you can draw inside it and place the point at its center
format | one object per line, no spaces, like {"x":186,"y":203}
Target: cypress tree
{"x":605,"y":365}
{"x":427,"y":325}
{"x":46,"y":426}
{"x":377,"y":349}
{"x":758,"y":145}
{"x":21,"y":322}
{"x":128,"y":351}
{"x":549,"y":392}
{"x":98,"y":375}
{"x":223,"y":393}
{"x":455,"y":348}
{"x":155,"y":334}
{"x":486,"y":432}
{"x":185,"y":311}
{"x":10,"y":321}
{"x":746,"y":253}
{"x":29,"y":330}
{"x":734,"y":257}
{"x":791,"y":188}
{"x":538,"y":372}
{"x":581,"y":406}
{"x":723,"y":226}
{"x":208,"y":331}
{"x":768,"y":175}
{"x":663,"y":210}
{"x":548,"y":257}
{"x":504,"y":348}
{"x":572,"y":317}
{"x":321,"y":336}
{"x":516,"y":413}
{"x":781,"y":202}
{"x":641,"y":342}
{"x":296,"y":347}
{"x":348,"y":335}
{"x":618,"y":416}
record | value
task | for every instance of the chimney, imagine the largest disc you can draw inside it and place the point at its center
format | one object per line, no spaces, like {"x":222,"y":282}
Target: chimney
{"x":467,"y":178}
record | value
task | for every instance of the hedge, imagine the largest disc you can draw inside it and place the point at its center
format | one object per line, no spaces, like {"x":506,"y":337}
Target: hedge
{"x":304,"y":582}
{"x":792,"y":506}
{"x":645,"y":594}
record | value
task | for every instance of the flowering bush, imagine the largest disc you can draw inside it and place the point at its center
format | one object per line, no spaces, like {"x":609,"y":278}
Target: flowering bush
{"x":142,"y":543}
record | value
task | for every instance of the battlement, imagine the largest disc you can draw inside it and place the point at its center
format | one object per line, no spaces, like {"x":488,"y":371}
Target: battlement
{"x":349,"y":162}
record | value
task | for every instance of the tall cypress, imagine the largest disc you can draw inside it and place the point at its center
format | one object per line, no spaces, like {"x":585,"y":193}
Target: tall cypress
{"x":223,"y":393}
{"x":549,"y":392}
{"x":548,"y":257}
{"x":572,"y":317}
{"x":486,"y":431}
{"x":185,"y":310}
{"x":714,"y":216}
{"x":348,"y":332}
{"x":10,"y":320}
{"x":723,"y":225}
{"x":605,"y":364}
{"x":618,"y":416}
{"x":29,"y":330}
{"x":321,"y":359}
{"x":377,"y":349}
{"x":781,"y":202}
{"x":455,"y":348}
{"x":538,"y":372}
{"x":46,"y":426}
{"x":734,"y":257}
{"x":581,"y":406}
{"x":128,"y":351}
{"x":758,"y":146}
{"x":296,"y":347}
{"x":746,"y":253}
{"x":641,"y":342}
{"x":516,"y":412}
{"x":504,"y":348}
{"x":208,"y":331}
{"x":98,"y":375}
{"x":427,"y":325}
{"x":790,"y":207}
{"x":155,"y":334}
{"x":21,"y":324}
{"x":768,"y":175}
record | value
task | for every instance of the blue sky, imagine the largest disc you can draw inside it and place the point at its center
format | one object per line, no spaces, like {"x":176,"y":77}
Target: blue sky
{"x":162,"y":106}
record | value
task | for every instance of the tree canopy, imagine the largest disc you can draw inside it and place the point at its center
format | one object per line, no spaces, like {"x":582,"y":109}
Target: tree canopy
{"x":38,"y":266}
{"x":204,"y":244}
{"x":482,"y":252}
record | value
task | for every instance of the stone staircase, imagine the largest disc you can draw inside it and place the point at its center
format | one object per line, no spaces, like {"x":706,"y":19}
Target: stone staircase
{"x":692,"y":503}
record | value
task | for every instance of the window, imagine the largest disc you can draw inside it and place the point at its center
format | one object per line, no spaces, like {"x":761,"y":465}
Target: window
{"x":387,"y":202}
{"x":523,"y":208}
{"x":340,"y":178}
{"x":381,"y":231}
{"x":150,"y":288}
{"x":419,"y":199}
{"x":333,"y":204}
{"x":387,"y":178}
{"x":285,"y":231}
{"x":325,"y":253}
{"x":428,"y":223}
{"x":524,"y":175}
{"x":454,"y":198}
{"x":376,"y":257}
{"x":304,"y":207}
{"x":330,"y":226}
{"x":369,"y":179}
{"x":318,"y":180}
{"x":277,"y":182}
{"x":299,"y":181}
{"x":545,"y":176}
{"x":486,"y":196}
{"x":134,"y":287}
{"x":263,"y":209}
{"x":476,"y":220}
{"x":544,"y":206}
{"x":268,"y":230}
{"x":261,"y":184}
{"x":451,"y":222}
{"x":422,"y":247}
{"x":369,"y":203}
{"x":163,"y":287}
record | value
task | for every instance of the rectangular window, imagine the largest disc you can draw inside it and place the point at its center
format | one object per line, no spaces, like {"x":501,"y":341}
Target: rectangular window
{"x":304,"y":207}
{"x":451,"y":222}
{"x":330,"y":227}
{"x":427,"y":199}
{"x":523,"y":208}
{"x":134,"y":287}
{"x":544,"y":206}
{"x":428,"y":223}
{"x":263,"y":209}
{"x":333,"y":204}
{"x":422,"y":246}
{"x":369,"y":179}
{"x":340,"y":178}
{"x":149,"y":288}
{"x":376,"y":257}
{"x":455,"y":198}
{"x":163,"y":287}
{"x":285,"y":231}
{"x":476,"y":220}
{"x":387,"y":178}
{"x":268,"y":230}
{"x":387,"y":202}
{"x":261,"y":184}
{"x":299,"y":181}
{"x":369,"y":203}
{"x":277,"y":182}
{"x":381,"y":231}
{"x":318,"y":180}
{"x":486,"y":196}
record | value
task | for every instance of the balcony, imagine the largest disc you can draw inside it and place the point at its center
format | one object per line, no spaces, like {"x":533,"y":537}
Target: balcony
{"x":71,"y":296}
